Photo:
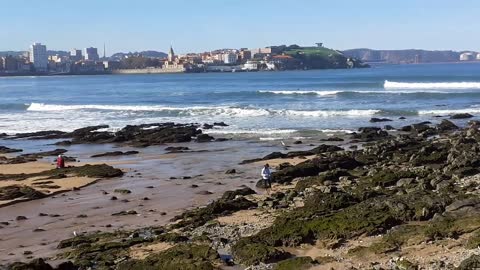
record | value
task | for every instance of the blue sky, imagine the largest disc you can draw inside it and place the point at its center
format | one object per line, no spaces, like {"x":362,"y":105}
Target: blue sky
{"x":203,"y":25}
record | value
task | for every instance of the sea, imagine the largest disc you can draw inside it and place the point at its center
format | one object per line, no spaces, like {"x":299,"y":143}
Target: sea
{"x":266,"y":105}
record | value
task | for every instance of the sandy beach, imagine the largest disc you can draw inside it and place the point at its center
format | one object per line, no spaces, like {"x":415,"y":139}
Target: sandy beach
{"x":333,"y":204}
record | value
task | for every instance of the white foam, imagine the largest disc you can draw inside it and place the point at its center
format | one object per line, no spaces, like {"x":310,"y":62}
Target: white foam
{"x":330,"y":113}
{"x":250,"y":131}
{"x":348,"y":131}
{"x":305,"y":92}
{"x":437,"y":85}
{"x":202,"y":110}
{"x":449,"y":111}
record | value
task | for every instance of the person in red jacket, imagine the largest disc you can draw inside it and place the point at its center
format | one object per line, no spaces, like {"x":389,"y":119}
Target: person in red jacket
{"x":60,"y":162}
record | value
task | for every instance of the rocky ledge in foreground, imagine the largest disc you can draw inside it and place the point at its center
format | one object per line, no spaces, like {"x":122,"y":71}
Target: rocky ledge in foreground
{"x":134,"y":135}
{"x":380,"y":207}
{"x":46,"y":181}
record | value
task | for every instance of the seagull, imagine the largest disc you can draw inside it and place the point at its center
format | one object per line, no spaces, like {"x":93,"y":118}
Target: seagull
{"x":75,"y":233}
{"x":284,"y":145}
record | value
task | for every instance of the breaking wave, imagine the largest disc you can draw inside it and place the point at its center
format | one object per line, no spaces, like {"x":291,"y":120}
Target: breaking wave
{"x":426,"y":85}
{"x":298,"y":92}
{"x":200,"y":110}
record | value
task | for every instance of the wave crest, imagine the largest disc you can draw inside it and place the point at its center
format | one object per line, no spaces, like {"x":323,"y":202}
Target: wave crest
{"x":426,"y":85}
{"x":204,"y":111}
{"x":301,"y":92}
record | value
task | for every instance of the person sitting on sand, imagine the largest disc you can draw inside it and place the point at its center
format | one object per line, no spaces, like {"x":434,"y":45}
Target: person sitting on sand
{"x":60,"y":162}
{"x":267,"y":176}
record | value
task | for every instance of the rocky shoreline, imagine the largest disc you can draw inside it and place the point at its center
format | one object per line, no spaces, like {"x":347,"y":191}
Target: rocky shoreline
{"x":393,"y":200}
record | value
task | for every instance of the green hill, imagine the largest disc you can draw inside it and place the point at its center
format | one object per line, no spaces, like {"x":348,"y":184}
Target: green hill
{"x":322,"y":58}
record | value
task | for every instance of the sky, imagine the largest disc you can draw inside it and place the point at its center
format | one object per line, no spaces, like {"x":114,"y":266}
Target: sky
{"x":205,"y":25}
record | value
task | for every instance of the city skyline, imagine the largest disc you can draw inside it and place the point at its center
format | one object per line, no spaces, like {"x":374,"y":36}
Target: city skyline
{"x":195,"y":27}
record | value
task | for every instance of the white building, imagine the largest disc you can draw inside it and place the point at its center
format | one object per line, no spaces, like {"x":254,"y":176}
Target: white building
{"x":39,"y":57}
{"x":229,"y":58}
{"x":468,"y":56}
{"x":76,"y":55}
{"x":91,"y":54}
{"x":250,"y":65}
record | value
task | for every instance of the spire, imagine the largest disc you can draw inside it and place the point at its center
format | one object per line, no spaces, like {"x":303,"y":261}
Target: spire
{"x":104,"y":53}
{"x":171,"y":54}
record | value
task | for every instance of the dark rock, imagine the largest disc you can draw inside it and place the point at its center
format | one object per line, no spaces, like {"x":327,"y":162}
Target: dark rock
{"x":376,"y":120}
{"x":297,"y":142}
{"x":472,"y":262}
{"x":113,"y":198}
{"x":204,"y":138}
{"x":231,"y":195}
{"x":229,"y":203}
{"x":207,"y":126}
{"x":370,"y":134}
{"x":333,"y":139}
{"x":182,"y":256}
{"x":125,"y":213}
{"x":461,"y":116}
{"x":402,"y":118}
{"x":64,"y":143}
{"x":19,"y":192}
{"x":115,"y":153}
{"x":446,"y":125}
{"x":6,"y":150}
{"x":231,"y":171}
{"x":55,"y":152}
{"x":204,"y":192}
{"x":122,"y":191}
{"x":220,"y":124}
{"x":388,"y":127}
{"x":178,"y":149}
{"x":194,"y":186}
{"x":18,"y":218}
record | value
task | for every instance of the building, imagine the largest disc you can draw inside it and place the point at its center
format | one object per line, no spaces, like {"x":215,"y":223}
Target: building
{"x":245,"y":55}
{"x":9,"y":63}
{"x":111,"y":65}
{"x":468,"y":56}
{"x":91,"y":54}
{"x":76,"y":55}
{"x":285,"y":62}
{"x":230,"y":58}
{"x":251,"y":65}
{"x":173,"y":63}
{"x":39,"y":57}
{"x":478,"y":56}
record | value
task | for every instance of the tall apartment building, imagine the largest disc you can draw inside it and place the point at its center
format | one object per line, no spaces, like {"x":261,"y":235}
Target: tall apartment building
{"x":39,"y":57}
{"x":91,"y":54}
{"x":76,"y":55}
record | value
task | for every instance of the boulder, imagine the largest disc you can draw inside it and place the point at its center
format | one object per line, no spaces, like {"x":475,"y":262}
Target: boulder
{"x":461,"y":116}
{"x":204,"y":138}
{"x":115,"y":153}
{"x":376,"y":120}
{"x":446,"y":125}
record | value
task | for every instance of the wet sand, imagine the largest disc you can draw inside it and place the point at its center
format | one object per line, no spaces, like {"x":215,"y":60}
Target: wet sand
{"x":155,"y":196}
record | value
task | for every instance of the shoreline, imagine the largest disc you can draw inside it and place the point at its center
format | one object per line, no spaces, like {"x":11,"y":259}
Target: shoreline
{"x":248,"y":217}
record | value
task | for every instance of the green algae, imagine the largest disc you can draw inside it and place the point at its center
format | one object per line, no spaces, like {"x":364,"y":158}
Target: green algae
{"x":180,"y":257}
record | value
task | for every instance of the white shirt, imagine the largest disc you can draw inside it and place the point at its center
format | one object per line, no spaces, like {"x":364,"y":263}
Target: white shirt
{"x":266,"y":173}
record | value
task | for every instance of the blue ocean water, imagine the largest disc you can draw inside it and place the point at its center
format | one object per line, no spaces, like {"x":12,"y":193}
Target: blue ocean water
{"x":266,"y":103}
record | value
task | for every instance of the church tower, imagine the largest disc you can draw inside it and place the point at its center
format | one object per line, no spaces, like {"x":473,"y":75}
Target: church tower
{"x":171,"y":55}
